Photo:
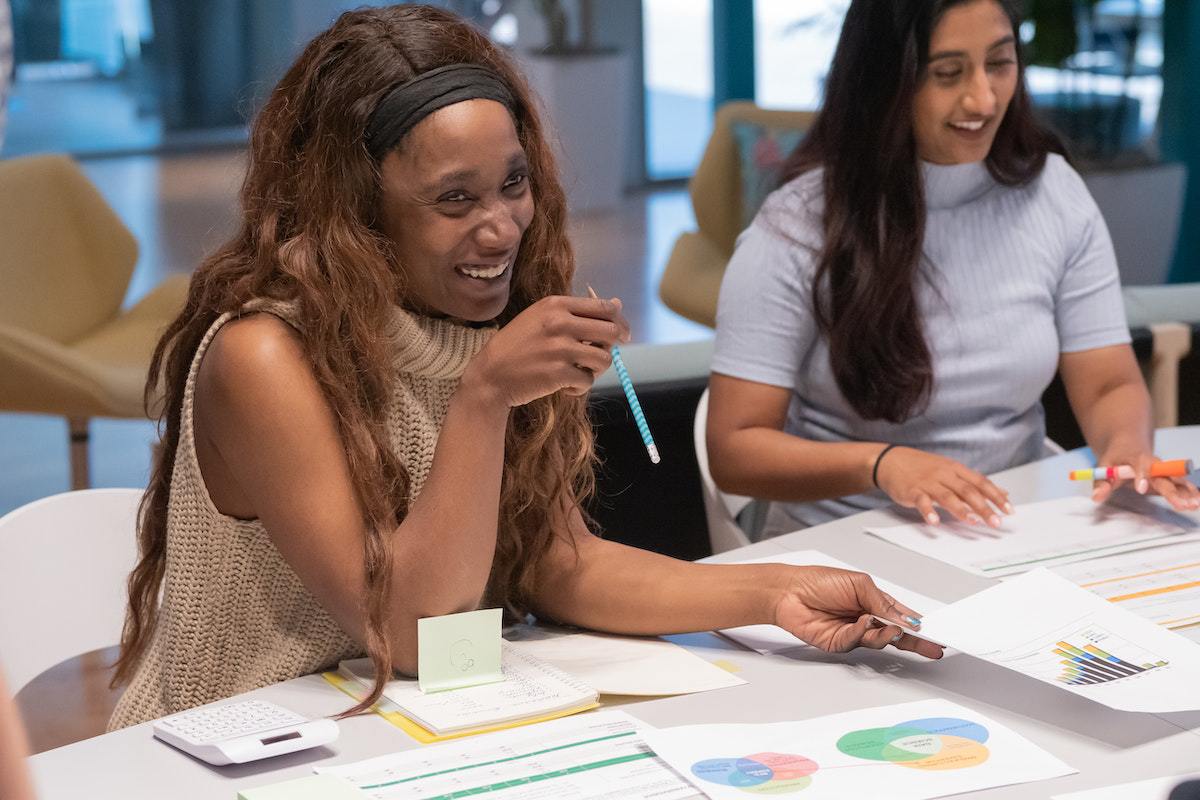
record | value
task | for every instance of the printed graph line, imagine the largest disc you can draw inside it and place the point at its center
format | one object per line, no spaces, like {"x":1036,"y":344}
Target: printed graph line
{"x":1074,"y":553}
{"x":1146,"y":574}
{"x":1179,"y":587}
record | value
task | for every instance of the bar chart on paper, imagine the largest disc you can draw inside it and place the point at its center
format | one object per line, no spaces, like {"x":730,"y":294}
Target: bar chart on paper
{"x":1041,"y":625}
{"x":1083,"y":656}
{"x":1084,"y":662}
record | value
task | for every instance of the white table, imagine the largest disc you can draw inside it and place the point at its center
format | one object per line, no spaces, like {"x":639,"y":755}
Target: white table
{"x":1106,"y":746}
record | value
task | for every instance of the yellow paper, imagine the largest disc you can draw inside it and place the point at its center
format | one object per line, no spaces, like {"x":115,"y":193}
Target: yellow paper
{"x":385,"y":709}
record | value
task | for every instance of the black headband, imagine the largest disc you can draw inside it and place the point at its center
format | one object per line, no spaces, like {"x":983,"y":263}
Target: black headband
{"x":409,"y":103}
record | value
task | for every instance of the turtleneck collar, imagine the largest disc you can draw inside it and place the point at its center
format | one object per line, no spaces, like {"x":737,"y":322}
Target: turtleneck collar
{"x":434,"y":347}
{"x":953,"y":185}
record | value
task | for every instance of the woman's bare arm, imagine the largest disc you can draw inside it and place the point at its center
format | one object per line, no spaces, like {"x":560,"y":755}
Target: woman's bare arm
{"x":270,"y":448}
{"x":15,"y":782}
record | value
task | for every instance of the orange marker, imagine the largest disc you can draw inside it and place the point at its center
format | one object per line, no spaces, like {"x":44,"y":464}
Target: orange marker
{"x":1178,"y":468}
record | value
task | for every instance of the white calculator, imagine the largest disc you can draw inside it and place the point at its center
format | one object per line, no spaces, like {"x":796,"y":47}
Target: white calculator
{"x":246,"y":731}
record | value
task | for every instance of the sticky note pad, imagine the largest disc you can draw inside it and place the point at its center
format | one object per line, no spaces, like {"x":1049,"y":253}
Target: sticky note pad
{"x":314,"y":787}
{"x":458,"y":650}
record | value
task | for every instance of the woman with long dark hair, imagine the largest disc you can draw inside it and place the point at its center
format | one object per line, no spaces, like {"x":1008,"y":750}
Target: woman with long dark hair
{"x":374,"y":403}
{"x":889,"y":321}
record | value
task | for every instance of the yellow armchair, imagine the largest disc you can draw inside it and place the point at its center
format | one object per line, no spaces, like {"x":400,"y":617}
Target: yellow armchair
{"x":692,"y":277}
{"x":66,"y":347}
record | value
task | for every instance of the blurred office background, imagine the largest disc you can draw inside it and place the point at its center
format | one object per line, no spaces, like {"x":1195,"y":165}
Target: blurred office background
{"x":153,"y":98}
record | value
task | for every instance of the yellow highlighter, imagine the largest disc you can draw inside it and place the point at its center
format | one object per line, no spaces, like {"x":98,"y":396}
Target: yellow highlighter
{"x":1159,"y":469}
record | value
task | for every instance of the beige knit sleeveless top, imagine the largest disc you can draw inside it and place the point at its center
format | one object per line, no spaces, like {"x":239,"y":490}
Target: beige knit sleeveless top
{"x":234,"y":615}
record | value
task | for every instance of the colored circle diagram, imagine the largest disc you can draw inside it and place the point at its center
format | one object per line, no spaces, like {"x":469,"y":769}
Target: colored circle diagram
{"x":936,"y":743}
{"x":760,"y":773}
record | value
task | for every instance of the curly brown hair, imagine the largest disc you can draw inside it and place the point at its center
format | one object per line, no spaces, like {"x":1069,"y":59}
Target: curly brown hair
{"x":309,"y":236}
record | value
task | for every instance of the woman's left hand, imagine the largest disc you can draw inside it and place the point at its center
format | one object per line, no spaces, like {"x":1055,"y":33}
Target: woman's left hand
{"x":1181,"y":493}
{"x":832,"y":609}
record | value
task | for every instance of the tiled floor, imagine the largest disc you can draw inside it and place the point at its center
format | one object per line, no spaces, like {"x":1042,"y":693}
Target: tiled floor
{"x":180,"y":207}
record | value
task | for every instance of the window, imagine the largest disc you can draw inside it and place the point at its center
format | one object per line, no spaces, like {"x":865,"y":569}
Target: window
{"x":793,"y":45}
{"x":678,"y":76}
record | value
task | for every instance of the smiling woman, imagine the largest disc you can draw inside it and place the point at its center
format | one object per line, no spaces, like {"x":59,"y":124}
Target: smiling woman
{"x":889,"y":322}
{"x":374,"y":398}
{"x":971,"y":77}
{"x":456,"y":226}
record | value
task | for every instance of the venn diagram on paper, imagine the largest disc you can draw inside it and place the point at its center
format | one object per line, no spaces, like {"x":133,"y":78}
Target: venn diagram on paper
{"x":935,"y":743}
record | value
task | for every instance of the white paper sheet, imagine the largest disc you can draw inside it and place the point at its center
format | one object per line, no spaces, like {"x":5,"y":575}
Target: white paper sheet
{"x":595,"y":756}
{"x":1047,"y":534}
{"x":1152,"y":789}
{"x":767,"y":639}
{"x":622,"y":665}
{"x":1042,"y":625}
{"x":1161,"y":584}
{"x":531,"y":688}
{"x":909,"y":751}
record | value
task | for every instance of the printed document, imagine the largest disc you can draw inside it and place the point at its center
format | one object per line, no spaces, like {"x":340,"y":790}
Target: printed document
{"x":1042,"y":625}
{"x":596,"y":756}
{"x":1048,"y":534}
{"x":1161,"y":584}
{"x":909,"y":751}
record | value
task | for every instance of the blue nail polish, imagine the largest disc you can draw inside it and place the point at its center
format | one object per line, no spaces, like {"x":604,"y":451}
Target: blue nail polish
{"x":913,"y":621}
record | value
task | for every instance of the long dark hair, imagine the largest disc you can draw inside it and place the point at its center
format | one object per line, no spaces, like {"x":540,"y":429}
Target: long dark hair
{"x":308,"y":236}
{"x":864,"y":290}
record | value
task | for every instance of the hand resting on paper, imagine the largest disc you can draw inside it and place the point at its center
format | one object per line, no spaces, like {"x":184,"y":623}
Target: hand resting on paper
{"x":834,"y":610}
{"x":920,"y":480}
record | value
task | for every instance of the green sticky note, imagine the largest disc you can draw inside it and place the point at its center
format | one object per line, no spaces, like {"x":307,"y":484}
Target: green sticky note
{"x":314,"y":787}
{"x":458,"y":650}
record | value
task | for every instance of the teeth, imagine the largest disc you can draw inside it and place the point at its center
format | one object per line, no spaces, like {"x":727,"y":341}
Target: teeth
{"x":969,"y":126}
{"x":489,"y":272}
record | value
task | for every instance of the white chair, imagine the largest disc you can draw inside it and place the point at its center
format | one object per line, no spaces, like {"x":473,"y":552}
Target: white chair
{"x":720,"y":509}
{"x":64,"y":561}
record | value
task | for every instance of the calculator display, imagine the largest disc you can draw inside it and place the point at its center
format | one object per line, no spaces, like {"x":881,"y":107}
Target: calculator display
{"x":283,"y":737}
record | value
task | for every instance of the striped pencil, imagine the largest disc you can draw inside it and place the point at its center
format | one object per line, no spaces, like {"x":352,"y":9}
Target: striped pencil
{"x":631,"y":396}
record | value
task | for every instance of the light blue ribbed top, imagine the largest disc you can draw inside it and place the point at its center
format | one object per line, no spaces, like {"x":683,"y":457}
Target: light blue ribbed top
{"x":1011,"y":278}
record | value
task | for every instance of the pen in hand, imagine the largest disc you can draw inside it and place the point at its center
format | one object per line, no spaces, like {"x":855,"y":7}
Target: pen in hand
{"x":631,"y":396}
{"x":1160,"y":469}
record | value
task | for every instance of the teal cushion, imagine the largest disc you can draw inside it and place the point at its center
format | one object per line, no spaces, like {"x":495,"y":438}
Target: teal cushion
{"x":762,"y":152}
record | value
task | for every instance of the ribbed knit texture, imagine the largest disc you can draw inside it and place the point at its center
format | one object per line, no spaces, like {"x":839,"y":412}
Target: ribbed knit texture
{"x":234,"y":615}
{"x":1011,"y":277}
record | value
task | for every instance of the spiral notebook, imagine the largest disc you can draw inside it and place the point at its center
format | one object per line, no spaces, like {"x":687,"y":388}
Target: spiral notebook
{"x":531,"y":689}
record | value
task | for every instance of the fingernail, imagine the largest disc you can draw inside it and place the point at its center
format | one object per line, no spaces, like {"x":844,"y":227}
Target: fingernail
{"x":914,"y":622}
{"x":994,"y":521}
{"x":1008,"y":508}
{"x":1096,"y":495}
{"x":1143,"y":485}
{"x":897,"y":637}
{"x":932,"y":519}
{"x":974,"y":519}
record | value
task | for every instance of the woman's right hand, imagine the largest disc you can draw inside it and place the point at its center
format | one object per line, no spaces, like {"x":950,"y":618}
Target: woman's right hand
{"x":836,"y":610}
{"x":560,"y":343}
{"x":920,"y":480}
